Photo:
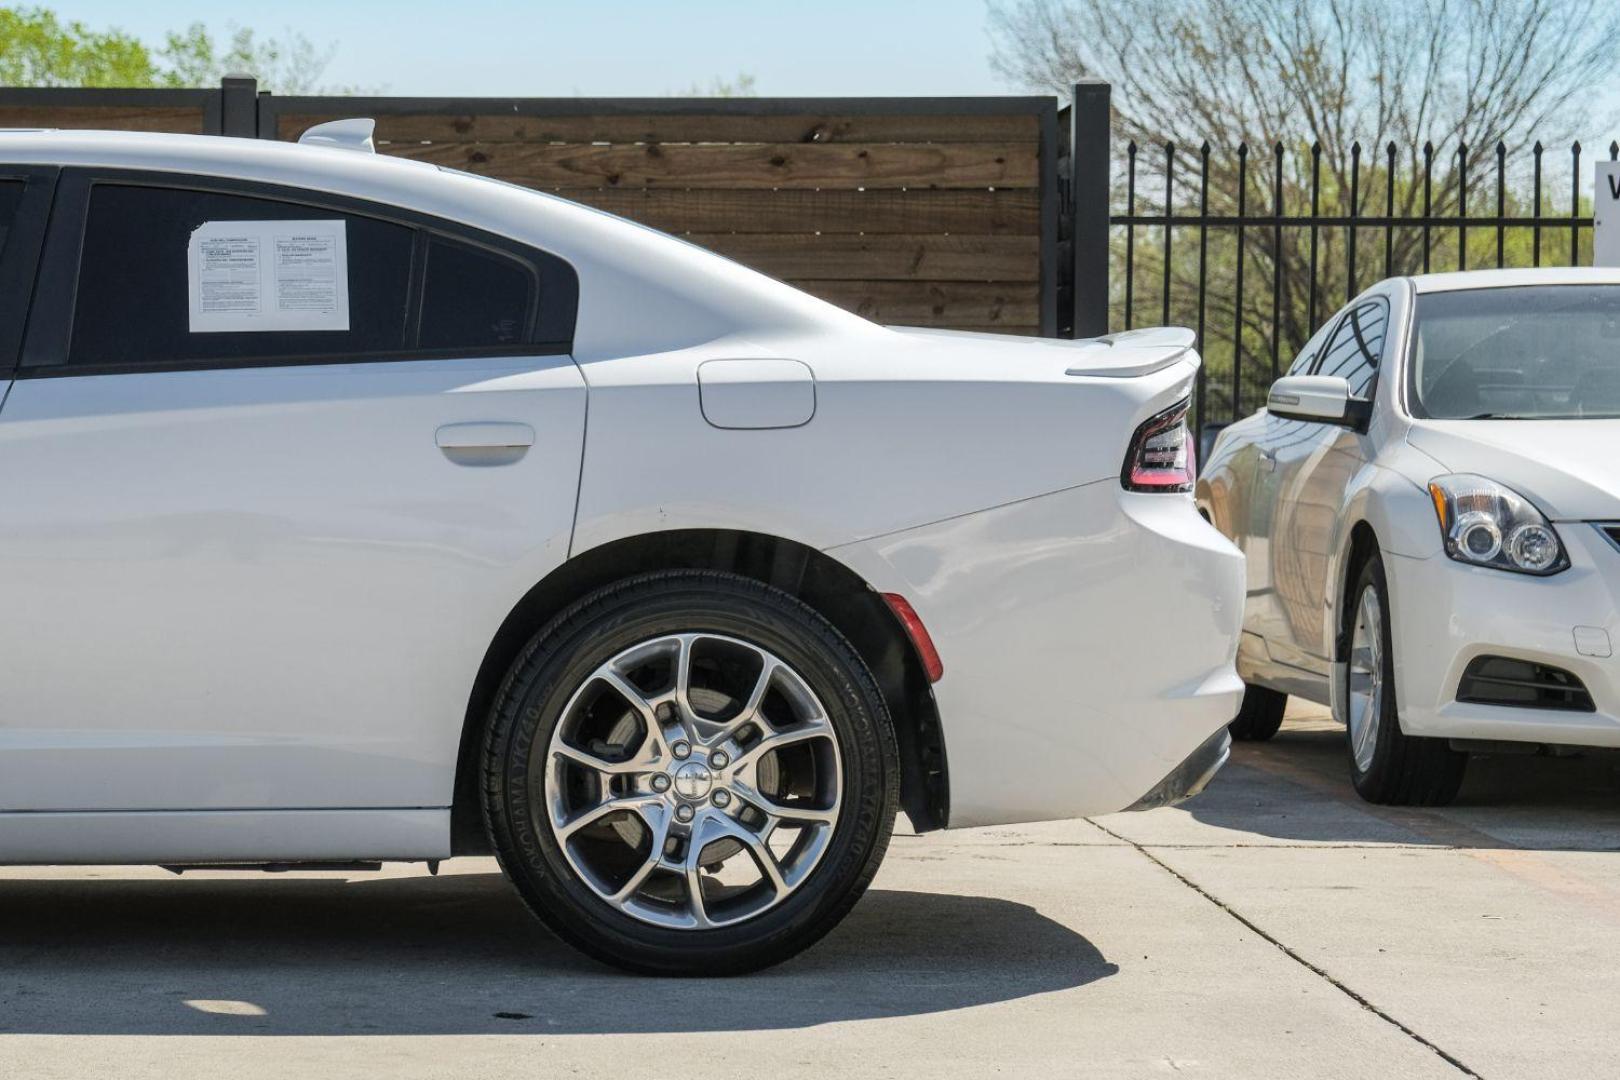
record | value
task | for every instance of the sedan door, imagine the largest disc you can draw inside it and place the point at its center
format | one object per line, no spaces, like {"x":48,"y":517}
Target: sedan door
{"x":275,"y":469}
{"x":1323,"y":461}
{"x":1255,"y":458}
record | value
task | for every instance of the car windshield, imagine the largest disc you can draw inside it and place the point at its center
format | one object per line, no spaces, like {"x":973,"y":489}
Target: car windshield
{"x":1538,"y":352}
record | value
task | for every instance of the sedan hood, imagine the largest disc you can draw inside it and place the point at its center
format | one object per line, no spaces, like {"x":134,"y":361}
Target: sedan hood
{"x":1569,"y":468}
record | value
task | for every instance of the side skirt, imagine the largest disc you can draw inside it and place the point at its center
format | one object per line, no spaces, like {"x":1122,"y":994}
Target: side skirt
{"x":1256,"y":665}
{"x":178,"y":837}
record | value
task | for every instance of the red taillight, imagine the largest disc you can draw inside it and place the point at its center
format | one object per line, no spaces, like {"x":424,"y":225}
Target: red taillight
{"x":1161,"y":457}
{"x":933,"y":667}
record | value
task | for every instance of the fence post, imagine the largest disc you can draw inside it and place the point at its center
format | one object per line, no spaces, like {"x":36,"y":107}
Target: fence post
{"x":1089,"y":161}
{"x":239,"y":106}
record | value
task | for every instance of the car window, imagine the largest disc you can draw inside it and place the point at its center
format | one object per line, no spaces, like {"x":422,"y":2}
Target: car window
{"x":11,"y":315}
{"x":474,"y":297}
{"x":1307,"y":355}
{"x":134,"y":304}
{"x":11,"y":192}
{"x":1524,"y":352}
{"x":1357,"y":346}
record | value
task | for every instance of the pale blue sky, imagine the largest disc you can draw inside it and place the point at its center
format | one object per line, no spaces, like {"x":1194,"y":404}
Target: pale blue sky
{"x":607,"y":48}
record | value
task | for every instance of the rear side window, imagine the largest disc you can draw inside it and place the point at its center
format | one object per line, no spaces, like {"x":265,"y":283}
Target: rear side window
{"x":1357,"y":346}
{"x":11,"y":192}
{"x":15,"y":303}
{"x":132,"y":305}
{"x":210,"y":274}
{"x":474,"y":297}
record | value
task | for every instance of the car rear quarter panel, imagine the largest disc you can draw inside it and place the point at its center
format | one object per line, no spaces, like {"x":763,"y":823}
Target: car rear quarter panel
{"x":989,"y":498}
{"x":1087,"y":638}
{"x":899,"y":438}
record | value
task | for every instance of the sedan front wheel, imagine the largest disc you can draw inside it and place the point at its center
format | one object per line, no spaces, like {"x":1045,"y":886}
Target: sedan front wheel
{"x":1386,"y":764}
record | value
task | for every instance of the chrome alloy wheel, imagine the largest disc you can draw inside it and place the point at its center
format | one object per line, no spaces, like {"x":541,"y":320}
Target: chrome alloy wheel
{"x":693,"y":781}
{"x":1366,"y":682}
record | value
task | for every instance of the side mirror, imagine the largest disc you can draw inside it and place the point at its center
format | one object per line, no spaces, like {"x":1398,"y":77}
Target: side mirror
{"x":1319,"y":399}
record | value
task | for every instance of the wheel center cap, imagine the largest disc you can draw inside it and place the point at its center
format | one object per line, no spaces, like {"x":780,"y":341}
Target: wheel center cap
{"x":693,"y":781}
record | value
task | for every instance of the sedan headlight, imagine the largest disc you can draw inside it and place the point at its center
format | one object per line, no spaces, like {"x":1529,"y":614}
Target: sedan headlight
{"x":1486,"y":524}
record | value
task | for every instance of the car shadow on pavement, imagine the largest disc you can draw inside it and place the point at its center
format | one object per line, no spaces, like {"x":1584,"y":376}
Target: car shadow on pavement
{"x":1296,"y":787}
{"x":458,"y":954}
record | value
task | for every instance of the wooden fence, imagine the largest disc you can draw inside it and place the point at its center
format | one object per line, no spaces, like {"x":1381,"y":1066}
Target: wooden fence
{"x":916,"y":211}
{"x":188,"y":112}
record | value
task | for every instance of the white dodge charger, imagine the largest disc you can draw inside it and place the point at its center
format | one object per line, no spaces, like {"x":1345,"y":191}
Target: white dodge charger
{"x":1430,"y":506}
{"x":355,"y":509}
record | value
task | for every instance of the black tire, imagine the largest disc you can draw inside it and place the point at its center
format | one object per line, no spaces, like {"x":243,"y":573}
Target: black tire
{"x":531,"y":703}
{"x":1260,"y":715}
{"x":1405,"y":770}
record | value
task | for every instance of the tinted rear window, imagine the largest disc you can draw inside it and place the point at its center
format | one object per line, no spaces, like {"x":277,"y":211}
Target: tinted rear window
{"x":474,"y":297}
{"x":132,"y":308}
{"x":11,"y":192}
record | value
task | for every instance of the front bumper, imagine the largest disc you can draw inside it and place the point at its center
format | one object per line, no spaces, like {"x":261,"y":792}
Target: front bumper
{"x":1445,"y":614}
{"x":1088,"y":638}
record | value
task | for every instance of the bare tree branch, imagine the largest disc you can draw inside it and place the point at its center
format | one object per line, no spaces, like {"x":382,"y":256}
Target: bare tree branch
{"x":1312,"y":73}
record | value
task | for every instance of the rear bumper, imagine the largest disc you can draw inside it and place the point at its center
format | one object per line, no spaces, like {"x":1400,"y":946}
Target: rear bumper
{"x":1088,"y":639}
{"x":1191,"y":776}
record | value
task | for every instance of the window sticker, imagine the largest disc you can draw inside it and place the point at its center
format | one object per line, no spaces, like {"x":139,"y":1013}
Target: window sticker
{"x":259,"y":276}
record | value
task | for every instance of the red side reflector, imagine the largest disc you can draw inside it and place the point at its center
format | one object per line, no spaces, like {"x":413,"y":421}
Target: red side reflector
{"x":933,"y":667}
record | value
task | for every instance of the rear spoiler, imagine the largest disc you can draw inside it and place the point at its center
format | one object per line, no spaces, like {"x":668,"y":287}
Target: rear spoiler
{"x":1125,"y":355}
{"x":1131,"y":353}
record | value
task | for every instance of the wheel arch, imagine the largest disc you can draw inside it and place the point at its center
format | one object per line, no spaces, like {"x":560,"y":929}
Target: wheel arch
{"x":1386,"y":509}
{"x":1362,"y":543}
{"x":827,"y":585}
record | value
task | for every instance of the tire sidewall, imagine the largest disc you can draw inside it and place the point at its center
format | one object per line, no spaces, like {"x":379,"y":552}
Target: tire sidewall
{"x":559,"y":660}
{"x":1260,"y":715}
{"x":1371,"y":576}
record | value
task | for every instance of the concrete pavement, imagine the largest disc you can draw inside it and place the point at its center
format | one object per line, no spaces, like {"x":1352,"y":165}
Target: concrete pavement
{"x":1274,"y":927}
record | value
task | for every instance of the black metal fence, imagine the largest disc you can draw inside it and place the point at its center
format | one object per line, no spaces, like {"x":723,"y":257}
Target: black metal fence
{"x":1255,"y":250}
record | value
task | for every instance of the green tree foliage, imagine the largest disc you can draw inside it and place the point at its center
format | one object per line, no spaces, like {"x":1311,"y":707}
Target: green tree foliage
{"x":290,"y":65}
{"x":740,"y":87}
{"x":39,"y":49}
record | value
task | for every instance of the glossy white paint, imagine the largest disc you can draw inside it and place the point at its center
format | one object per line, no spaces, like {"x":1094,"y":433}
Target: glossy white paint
{"x":225,"y":836}
{"x":1309,"y":397}
{"x":1087,"y":639}
{"x":245,"y":605}
{"x":1569,"y":468}
{"x":1443,"y":613}
{"x":264,"y":588}
{"x":756,"y":394}
{"x":909,"y":428}
{"x":1447,"y":616}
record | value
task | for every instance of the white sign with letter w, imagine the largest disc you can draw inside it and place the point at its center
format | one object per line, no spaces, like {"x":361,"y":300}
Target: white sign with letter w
{"x":1606,"y":215}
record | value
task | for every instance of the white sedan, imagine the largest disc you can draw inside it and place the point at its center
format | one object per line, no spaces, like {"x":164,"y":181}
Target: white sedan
{"x":1430,"y":506}
{"x":357,"y":509}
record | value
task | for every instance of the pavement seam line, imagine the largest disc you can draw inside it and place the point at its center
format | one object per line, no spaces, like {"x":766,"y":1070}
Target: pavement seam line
{"x":1448,"y":1058}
